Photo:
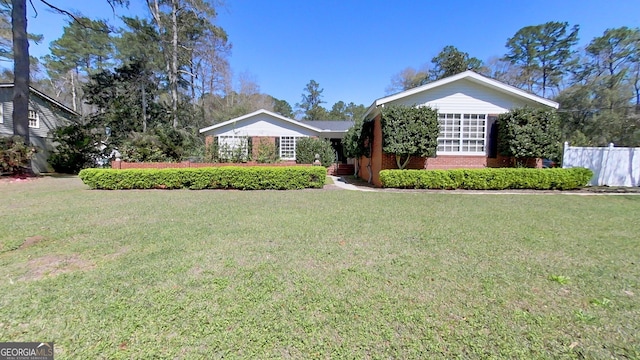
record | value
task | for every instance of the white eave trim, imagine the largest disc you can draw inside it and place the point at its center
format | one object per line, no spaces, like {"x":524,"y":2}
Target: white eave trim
{"x":258,"y":112}
{"x":472,"y":76}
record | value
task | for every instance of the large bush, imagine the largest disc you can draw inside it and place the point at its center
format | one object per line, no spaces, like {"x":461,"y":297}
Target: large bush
{"x":529,"y":133}
{"x":227,"y":177}
{"x":307,"y":148}
{"x":409,"y":131}
{"x":487,"y":179}
{"x":15,"y":155}
{"x":76,"y":149}
{"x":141,"y":147}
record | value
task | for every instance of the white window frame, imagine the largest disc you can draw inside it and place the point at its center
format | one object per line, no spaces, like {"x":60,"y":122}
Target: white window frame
{"x":33,"y":116}
{"x":460,"y":132}
{"x":1,"y":113}
{"x":288,"y":147}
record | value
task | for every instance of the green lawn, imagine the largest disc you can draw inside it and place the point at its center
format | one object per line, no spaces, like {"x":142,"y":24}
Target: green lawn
{"x":318,"y":273}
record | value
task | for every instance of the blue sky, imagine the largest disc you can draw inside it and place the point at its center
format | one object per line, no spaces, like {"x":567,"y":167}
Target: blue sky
{"x":352,"y":48}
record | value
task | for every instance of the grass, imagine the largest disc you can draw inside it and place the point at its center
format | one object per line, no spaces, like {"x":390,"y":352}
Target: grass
{"x":318,"y":274}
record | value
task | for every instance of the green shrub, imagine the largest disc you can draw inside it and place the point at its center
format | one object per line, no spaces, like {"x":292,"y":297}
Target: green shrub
{"x":227,"y":177}
{"x":76,"y":148}
{"x":307,"y":148}
{"x":487,"y":179}
{"x":15,"y":155}
{"x":141,"y":147}
{"x":267,"y":152}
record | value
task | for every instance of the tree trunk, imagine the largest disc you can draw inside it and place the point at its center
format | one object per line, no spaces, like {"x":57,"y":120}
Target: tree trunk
{"x":74,"y":95}
{"x":402,"y":165}
{"x":174,"y":61}
{"x":144,"y":107}
{"x":20,"y":70}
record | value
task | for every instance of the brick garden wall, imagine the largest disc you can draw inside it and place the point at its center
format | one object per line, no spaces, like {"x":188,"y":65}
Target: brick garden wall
{"x":333,"y":169}
{"x":188,"y":164}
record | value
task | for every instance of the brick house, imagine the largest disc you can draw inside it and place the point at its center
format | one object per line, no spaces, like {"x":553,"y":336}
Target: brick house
{"x":468,"y":105}
{"x":263,"y":125}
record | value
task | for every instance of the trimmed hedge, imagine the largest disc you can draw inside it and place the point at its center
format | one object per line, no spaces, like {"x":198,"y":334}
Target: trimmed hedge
{"x":487,"y":179}
{"x":227,"y":177}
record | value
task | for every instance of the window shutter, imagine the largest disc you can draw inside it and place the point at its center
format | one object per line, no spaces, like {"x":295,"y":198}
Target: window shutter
{"x":278,"y":146}
{"x":492,"y":136}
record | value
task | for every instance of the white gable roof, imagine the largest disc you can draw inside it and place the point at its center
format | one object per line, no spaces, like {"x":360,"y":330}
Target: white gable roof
{"x":469,"y":76}
{"x":256,"y":113}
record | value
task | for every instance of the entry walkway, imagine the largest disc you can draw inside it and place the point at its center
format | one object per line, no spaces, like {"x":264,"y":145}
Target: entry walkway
{"x":339,"y":182}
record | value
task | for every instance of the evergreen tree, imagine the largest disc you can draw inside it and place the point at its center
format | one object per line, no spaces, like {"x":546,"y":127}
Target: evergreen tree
{"x":451,"y":61}
{"x":311,"y":102}
{"x":544,"y":54}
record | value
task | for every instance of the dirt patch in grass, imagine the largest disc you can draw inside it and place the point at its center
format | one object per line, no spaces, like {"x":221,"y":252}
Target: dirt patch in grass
{"x":53,"y":265}
{"x":30,"y":241}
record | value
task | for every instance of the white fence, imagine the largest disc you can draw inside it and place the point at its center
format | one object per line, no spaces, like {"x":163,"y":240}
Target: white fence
{"x":611,"y":166}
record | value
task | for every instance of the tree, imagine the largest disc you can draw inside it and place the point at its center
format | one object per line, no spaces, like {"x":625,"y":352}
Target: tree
{"x":451,"y":61}
{"x":354,"y":143}
{"x":408,"y":79}
{"x":529,"y":133}
{"x":84,"y":47}
{"x":338,"y":111}
{"x":6,"y":37}
{"x":409,"y":131}
{"x":181,"y":22}
{"x":282,"y":107}
{"x":613,"y":58}
{"x":311,"y":102}
{"x":503,"y":70}
{"x":118,"y":96}
{"x":20,"y":70}
{"x":600,"y":107}
{"x":21,"y":63}
{"x":543,"y":52}
{"x":355,"y":112}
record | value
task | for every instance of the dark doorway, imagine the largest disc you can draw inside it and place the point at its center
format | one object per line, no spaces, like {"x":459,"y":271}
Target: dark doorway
{"x":336,"y":144}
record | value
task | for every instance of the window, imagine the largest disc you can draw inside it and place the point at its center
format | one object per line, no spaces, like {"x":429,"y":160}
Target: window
{"x":34,"y":119}
{"x":462,"y":133}
{"x":288,"y":147}
{"x":233,"y":148}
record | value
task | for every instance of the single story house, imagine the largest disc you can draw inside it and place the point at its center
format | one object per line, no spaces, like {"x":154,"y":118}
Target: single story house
{"x":282,"y":131}
{"x":45,"y":114}
{"x":468,"y":105}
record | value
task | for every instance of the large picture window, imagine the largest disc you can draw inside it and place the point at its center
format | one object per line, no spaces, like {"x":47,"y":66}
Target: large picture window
{"x":288,"y":147}
{"x":462,"y":133}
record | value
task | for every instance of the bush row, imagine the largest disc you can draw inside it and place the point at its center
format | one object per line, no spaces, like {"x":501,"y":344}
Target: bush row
{"x":228,"y":177}
{"x":487,"y":179}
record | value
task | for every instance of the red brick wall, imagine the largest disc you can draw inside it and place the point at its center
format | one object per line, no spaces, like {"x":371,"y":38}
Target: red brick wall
{"x":340,"y":169}
{"x":188,"y":164}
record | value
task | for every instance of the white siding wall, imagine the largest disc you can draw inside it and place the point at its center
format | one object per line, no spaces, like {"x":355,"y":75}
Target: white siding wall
{"x":50,"y":116}
{"x":262,"y":125}
{"x":466,"y":97}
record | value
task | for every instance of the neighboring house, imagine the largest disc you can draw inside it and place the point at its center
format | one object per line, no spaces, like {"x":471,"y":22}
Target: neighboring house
{"x":263,"y":125}
{"x":45,"y":114}
{"x":468,"y":105}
